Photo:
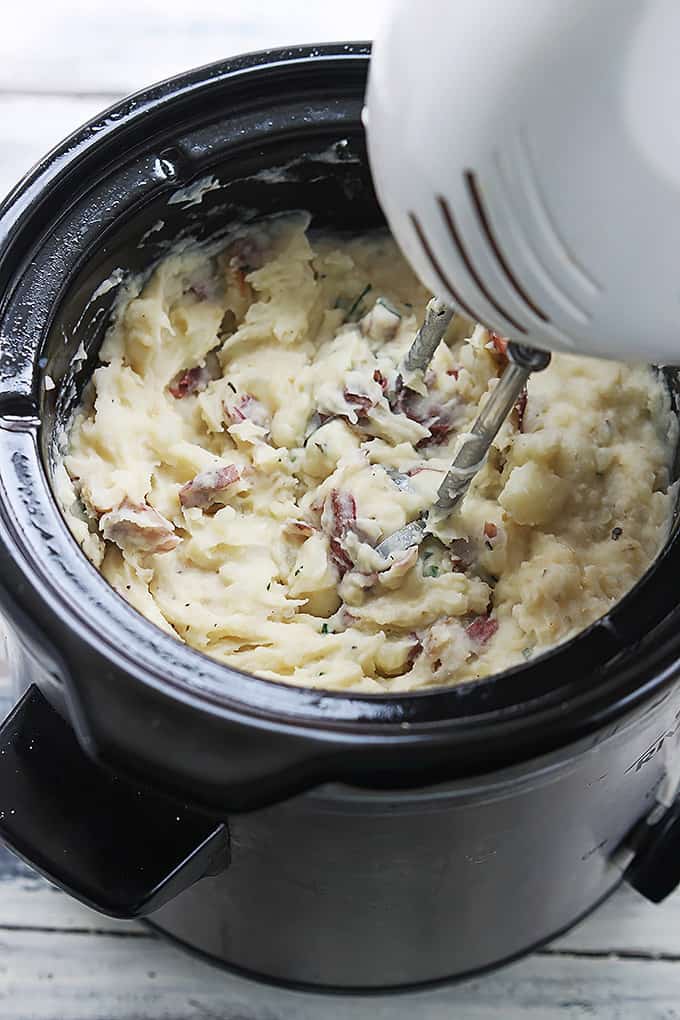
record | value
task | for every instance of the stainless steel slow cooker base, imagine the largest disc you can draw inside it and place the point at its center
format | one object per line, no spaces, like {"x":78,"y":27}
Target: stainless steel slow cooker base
{"x":365,"y":890}
{"x":316,"y":838}
{"x":364,"y":990}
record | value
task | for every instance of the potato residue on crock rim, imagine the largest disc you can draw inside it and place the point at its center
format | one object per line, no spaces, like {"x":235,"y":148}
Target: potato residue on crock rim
{"x":250,"y":437}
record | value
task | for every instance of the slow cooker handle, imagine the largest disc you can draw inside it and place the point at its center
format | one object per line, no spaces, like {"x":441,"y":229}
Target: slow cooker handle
{"x":655,"y":869}
{"x":123,"y":850}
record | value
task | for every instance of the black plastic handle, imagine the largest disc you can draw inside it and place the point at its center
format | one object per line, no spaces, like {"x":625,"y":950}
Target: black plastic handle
{"x":655,"y":869}
{"x":120,"y":849}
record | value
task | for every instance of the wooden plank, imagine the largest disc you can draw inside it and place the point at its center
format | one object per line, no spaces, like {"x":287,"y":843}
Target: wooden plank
{"x":106,"y":978}
{"x":117,"y":48}
{"x":627,"y":923}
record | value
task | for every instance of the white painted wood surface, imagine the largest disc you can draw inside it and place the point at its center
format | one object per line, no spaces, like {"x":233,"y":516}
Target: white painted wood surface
{"x":75,"y":46}
{"x":31,"y":125}
{"x":60,"y":63}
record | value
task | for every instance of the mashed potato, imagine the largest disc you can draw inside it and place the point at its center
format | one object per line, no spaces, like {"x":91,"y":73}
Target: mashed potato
{"x":250,"y":437}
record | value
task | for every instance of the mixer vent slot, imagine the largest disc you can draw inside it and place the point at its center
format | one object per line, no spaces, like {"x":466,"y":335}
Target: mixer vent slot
{"x":526,"y":226}
{"x":457,"y":240}
{"x":581,"y":278}
{"x":485,"y":223}
{"x":436,"y":265}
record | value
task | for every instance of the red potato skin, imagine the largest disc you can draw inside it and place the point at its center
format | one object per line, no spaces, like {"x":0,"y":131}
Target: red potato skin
{"x":206,"y":488}
{"x":360,"y":401}
{"x":248,"y":408}
{"x":188,"y":382}
{"x":425,"y":411}
{"x":339,"y":514}
{"x":500,"y":346}
{"x":482,"y":630}
{"x":137,"y":527}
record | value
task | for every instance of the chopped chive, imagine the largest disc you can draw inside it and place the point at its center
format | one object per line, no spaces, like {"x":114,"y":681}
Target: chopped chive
{"x":324,"y":628}
{"x":386,"y":303}
{"x":432,"y":571}
{"x":348,"y":317}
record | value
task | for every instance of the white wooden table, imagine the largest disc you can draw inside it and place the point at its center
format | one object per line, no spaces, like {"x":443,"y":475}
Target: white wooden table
{"x":60,"y":63}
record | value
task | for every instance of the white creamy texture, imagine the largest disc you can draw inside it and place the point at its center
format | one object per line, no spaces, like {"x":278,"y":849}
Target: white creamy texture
{"x":247,"y":441}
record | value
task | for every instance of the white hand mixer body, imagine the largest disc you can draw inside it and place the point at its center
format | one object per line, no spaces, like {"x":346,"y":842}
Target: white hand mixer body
{"x":527,"y":156}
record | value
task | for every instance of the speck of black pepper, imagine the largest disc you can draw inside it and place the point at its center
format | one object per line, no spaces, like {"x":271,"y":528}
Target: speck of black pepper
{"x":231,"y":386}
{"x":488,"y":545}
{"x":187,"y":604}
{"x":269,"y":586}
{"x":616,"y":533}
{"x":128,"y":587}
{"x":186,"y":628}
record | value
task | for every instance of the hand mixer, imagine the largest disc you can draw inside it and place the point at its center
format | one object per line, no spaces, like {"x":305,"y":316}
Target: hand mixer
{"x":526,"y":154}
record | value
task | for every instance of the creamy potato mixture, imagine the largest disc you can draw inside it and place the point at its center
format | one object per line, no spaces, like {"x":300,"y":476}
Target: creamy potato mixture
{"x":251,"y":436}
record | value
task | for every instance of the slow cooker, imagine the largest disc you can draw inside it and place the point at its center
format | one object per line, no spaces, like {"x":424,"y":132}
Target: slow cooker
{"x":313,"y":838}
